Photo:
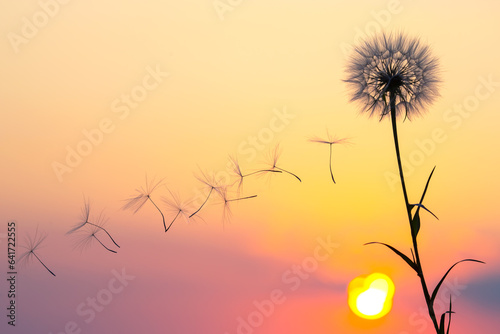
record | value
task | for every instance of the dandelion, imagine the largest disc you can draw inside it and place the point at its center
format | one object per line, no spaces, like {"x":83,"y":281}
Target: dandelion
{"x":226,"y":212}
{"x":84,"y":220}
{"x":330,"y":141}
{"x":87,"y":235}
{"x":32,"y":244}
{"x":137,"y":202}
{"x":273,"y":162}
{"x":177,"y":207}
{"x":391,"y":75}
{"x":211,"y":183}
{"x":235,"y":166}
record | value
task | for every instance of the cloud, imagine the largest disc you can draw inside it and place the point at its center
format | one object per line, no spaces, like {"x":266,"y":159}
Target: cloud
{"x":485,"y":291}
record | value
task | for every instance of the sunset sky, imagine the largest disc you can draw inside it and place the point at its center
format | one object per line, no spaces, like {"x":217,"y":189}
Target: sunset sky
{"x":96,"y":95}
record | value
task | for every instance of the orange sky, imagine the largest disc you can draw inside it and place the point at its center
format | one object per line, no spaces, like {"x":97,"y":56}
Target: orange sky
{"x":171,"y":88}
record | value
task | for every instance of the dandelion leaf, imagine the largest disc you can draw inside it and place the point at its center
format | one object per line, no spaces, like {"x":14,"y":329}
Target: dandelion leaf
{"x":425,"y":189}
{"x":415,"y":222}
{"x":401,"y":255}
{"x":423,"y":207}
{"x":449,"y":319}
{"x":441,"y":323}
{"x":436,"y":289}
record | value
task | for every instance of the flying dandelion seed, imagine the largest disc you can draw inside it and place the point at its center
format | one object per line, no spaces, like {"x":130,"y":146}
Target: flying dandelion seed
{"x":84,"y":220}
{"x":137,"y":202}
{"x":32,"y":244}
{"x":212,"y":184}
{"x":226,"y":212}
{"x":87,"y":235}
{"x":330,"y":141}
{"x":177,"y":207}
{"x":273,"y":157}
{"x":236,"y":169}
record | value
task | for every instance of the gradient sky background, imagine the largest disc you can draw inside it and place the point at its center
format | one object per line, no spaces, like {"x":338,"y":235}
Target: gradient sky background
{"x":227,"y":79}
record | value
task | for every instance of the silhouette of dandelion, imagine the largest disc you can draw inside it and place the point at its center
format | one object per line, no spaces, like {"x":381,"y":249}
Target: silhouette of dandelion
{"x":211,"y":183}
{"x":389,"y":75}
{"x":137,"y":202}
{"x":32,"y":244}
{"x":235,"y":167}
{"x":393,"y":73}
{"x":330,"y":141}
{"x":87,"y":235}
{"x":273,"y":157}
{"x":84,"y":220}
{"x":226,"y":212}
{"x":177,"y":207}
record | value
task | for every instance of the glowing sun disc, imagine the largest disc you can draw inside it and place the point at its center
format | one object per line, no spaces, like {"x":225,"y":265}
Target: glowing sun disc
{"x":370,"y":297}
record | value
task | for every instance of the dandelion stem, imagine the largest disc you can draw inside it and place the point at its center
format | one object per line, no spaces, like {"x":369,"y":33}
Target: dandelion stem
{"x":212,"y":188}
{"x":237,"y":199}
{"x":331,"y":173}
{"x":43,"y":264}
{"x":298,"y":178}
{"x":177,"y":215}
{"x":109,"y":235}
{"x":262,"y":171}
{"x":398,"y":155}
{"x":449,"y":322}
{"x":112,"y":251}
{"x":161,"y":213}
{"x":430,"y":307}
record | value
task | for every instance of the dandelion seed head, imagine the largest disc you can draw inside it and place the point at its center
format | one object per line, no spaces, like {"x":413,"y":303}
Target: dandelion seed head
{"x":235,"y":166}
{"x":85,"y":211}
{"x":84,"y":217}
{"x":226,"y":210}
{"x":178,"y":207}
{"x":223,"y":193}
{"x":236,"y":170}
{"x":31,"y":245}
{"x":135,"y":203}
{"x":393,"y":66}
{"x":85,"y":237}
{"x":274,"y":155}
{"x":210,"y":181}
{"x":330,"y":139}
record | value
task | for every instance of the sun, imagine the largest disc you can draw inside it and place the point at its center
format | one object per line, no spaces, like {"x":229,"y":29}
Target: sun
{"x":370,"y":297}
